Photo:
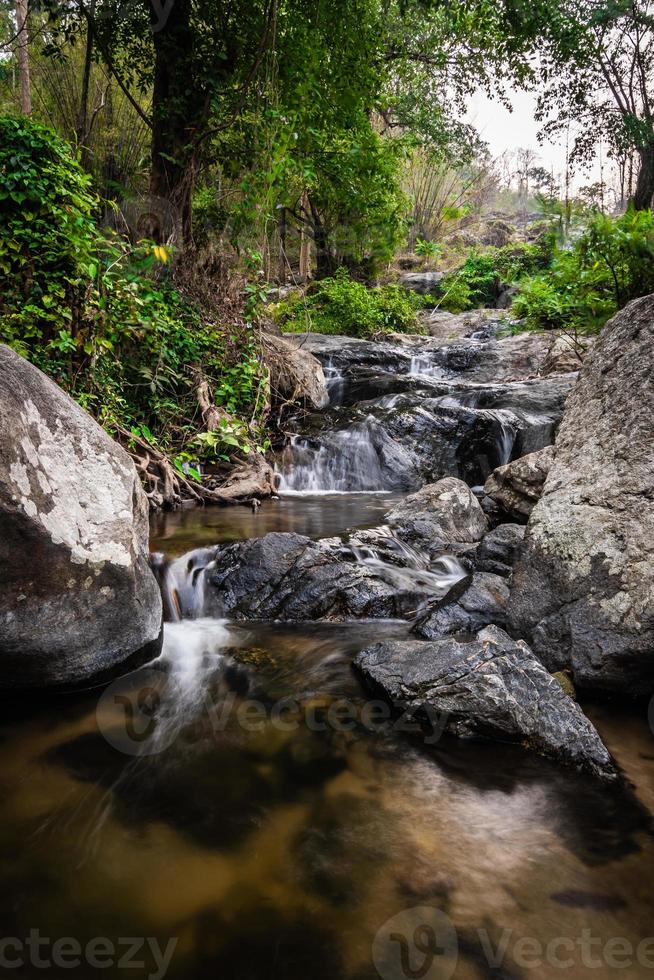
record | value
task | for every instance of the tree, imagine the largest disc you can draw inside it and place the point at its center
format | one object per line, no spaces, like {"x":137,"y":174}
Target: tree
{"x":597,"y":62}
{"x":22,"y":48}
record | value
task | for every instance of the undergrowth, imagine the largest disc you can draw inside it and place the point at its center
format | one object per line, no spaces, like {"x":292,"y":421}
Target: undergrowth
{"x":341,"y":305}
{"x":101,"y":315}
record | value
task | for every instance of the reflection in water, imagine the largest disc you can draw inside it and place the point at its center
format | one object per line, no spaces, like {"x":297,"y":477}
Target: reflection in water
{"x":321,"y":516}
{"x":275,"y":844}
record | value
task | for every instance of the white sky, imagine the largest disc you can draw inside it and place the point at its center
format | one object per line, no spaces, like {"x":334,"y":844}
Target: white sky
{"x":504,"y":130}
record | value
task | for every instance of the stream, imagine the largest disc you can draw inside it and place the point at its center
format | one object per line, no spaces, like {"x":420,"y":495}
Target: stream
{"x":242,"y":805}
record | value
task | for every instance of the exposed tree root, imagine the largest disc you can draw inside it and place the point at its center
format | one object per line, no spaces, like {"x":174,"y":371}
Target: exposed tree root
{"x":166,"y":488}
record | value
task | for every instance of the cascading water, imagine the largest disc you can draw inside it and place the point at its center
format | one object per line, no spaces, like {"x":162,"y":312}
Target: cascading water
{"x":182,"y":582}
{"x":421,"y":366}
{"x":343,"y":461}
{"x":334,"y":382}
{"x":506,"y":433}
{"x":403,"y":566}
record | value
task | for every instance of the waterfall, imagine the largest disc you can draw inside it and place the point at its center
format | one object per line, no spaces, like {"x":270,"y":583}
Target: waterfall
{"x":192,"y":654}
{"x":334,"y":382}
{"x":421,"y":366}
{"x":343,"y":461}
{"x":182,"y":582}
{"x":506,"y":432}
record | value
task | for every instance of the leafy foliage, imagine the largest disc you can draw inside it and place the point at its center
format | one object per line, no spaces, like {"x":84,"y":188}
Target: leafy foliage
{"x":485,"y":274}
{"x":343,"y":306}
{"x":611,"y":264}
{"x":100,"y":315}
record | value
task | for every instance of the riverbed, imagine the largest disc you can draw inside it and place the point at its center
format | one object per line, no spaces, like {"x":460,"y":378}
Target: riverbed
{"x":279,"y":845}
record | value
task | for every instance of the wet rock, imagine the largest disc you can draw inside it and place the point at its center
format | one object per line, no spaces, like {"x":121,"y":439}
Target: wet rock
{"x":78,"y":598}
{"x":517,"y":486}
{"x":582,"y":590}
{"x":292,"y":578}
{"x":489,"y":361}
{"x":491,"y":686}
{"x":440,"y":517}
{"x":472,"y":604}
{"x":499,"y":549}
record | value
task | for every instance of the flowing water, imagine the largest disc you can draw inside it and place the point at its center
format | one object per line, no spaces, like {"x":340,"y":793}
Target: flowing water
{"x":238,"y":800}
{"x":239,"y":809}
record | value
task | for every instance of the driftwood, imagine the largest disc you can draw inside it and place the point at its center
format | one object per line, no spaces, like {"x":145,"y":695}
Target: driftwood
{"x":212,"y":415}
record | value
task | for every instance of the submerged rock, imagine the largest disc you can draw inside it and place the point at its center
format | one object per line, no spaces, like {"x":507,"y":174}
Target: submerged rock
{"x":78,"y":597}
{"x":491,"y":686}
{"x":582,"y":590}
{"x":517,"y":486}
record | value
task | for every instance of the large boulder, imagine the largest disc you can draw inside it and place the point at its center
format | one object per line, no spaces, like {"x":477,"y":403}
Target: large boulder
{"x":78,"y":597}
{"x":443,"y":516}
{"x":499,"y":549}
{"x":583,"y":590}
{"x":517,"y":486}
{"x":421,"y":282}
{"x":489,"y":686}
{"x":289,"y":577}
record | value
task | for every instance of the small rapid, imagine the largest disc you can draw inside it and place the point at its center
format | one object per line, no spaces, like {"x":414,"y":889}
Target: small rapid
{"x":342,"y":461}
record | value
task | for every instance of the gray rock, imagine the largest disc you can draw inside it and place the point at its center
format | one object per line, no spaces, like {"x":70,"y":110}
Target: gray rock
{"x":582,"y":592}
{"x":442,"y":516}
{"x":566,"y":354}
{"x":78,"y":597}
{"x":292,"y":578}
{"x":499,"y":549}
{"x":517,"y":357}
{"x":473,"y":603}
{"x":421,"y":282}
{"x":491,"y":686}
{"x":517,"y":486}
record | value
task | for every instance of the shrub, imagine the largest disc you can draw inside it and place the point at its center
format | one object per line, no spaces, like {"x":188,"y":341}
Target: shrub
{"x":486,"y":274}
{"x":99,"y":314}
{"x":610,"y":264}
{"x":343,"y":306}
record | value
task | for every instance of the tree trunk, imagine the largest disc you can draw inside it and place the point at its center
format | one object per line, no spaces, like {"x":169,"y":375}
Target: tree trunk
{"x":644,"y":193}
{"x":324,"y":260}
{"x":281,"y":229}
{"x":174,"y":120}
{"x":305,"y":243}
{"x":23,"y":59}
{"x":83,"y":113}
